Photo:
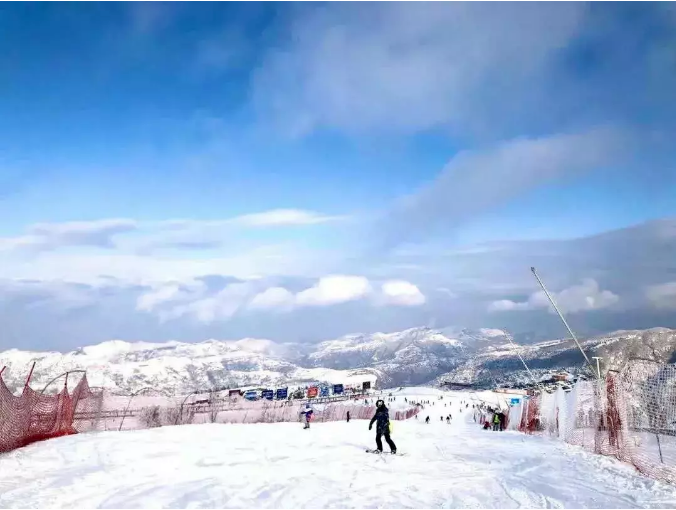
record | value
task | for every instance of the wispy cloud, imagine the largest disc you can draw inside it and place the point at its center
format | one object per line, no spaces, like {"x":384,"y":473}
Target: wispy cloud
{"x":407,"y":66}
{"x":266,"y":219}
{"x":147,"y":18}
{"x":474,"y":182}
{"x":50,"y":236}
{"x":179,"y":234}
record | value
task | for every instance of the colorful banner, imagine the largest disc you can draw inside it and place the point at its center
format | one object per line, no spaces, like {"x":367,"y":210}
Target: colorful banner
{"x":338,"y":389}
{"x":268,"y":394}
{"x":282,"y":393}
{"x":323,"y":391}
{"x":312,"y":391}
{"x":234,"y":393}
{"x":366,"y":385}
{"x":251,"y":395}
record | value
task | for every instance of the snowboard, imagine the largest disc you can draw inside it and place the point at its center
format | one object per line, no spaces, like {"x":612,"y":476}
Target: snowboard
{"x":385,"y":453}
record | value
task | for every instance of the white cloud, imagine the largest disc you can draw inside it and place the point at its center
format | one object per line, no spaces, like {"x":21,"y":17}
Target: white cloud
{"x":150,"y":300}
{"x":334,"y":289}
{"x":273,"y":298}
{"x":194,"y":299}
{"x":662,"y":295}
{"x":506,"y":305}
{"x":147,"y":288}
{"x":577,"y":298}
{"x":271,"y":218}
{"x":400,"y":292}
{"x":169,"y":293}
{"x":221,"y":306}
{"x":283,"y":217}
{"x":406,"y":66}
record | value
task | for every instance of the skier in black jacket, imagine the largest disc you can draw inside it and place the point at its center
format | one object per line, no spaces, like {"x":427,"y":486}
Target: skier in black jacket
{"x":382,"y":417}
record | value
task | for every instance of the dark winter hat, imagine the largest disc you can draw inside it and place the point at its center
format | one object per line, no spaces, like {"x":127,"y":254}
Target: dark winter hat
{"x":380,"y":403}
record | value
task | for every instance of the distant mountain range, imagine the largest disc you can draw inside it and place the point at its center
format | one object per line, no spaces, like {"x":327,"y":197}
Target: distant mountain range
{"x":483,"y":357}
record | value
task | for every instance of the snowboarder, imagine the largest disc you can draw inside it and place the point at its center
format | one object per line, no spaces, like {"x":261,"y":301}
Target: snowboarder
{"x":348,"y":416}
{"x":382,"y":417}
{"x":427,"y":420}
{"x":496,"y":421}
{"x":308,"y":415}
{"x":448,"y":419}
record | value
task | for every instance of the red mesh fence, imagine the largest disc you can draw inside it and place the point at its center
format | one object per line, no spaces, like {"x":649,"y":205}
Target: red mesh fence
{"x":631,"y":415}
{"x":33,"y":416}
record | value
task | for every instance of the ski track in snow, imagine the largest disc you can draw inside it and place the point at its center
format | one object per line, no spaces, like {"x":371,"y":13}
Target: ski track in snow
{"x":283,"y":466}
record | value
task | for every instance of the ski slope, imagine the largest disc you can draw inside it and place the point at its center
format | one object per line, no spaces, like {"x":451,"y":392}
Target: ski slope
{"x":282,"y":466}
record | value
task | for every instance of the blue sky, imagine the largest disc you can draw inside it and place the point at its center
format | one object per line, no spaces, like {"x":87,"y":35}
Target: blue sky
{"x":358,"y":133}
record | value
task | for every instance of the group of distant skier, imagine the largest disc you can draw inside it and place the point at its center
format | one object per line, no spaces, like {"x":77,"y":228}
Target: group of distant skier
{"x":496,"y":420}
{"x":449,"y":417}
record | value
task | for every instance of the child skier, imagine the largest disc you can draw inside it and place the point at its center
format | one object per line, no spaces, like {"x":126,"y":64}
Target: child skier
{"x":382,"y":417}
{"x":308,"y":415}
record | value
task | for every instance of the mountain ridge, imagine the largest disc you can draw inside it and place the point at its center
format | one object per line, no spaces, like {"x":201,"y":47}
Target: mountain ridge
{"x":414,"y":356}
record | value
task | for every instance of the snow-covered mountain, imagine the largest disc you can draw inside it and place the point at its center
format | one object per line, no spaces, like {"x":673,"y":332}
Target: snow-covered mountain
{"x":406,"y":357}
{"x":500,"y":361}
{"x":175,"y":367}
{"x":415,"y":356}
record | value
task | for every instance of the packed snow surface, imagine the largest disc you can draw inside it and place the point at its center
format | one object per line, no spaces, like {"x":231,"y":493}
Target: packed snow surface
{"x":283,"y":466}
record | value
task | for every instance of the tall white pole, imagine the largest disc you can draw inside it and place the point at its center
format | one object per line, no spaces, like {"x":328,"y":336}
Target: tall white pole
{"x":598,"y":366}
{"x":537,"y":383}
{"x":556,"y":308}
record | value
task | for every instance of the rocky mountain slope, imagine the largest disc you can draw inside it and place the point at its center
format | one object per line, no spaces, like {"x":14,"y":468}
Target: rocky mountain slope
{"x":416,"y":356}
{"x":174,"y":367}
{"x":500,"y":362}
